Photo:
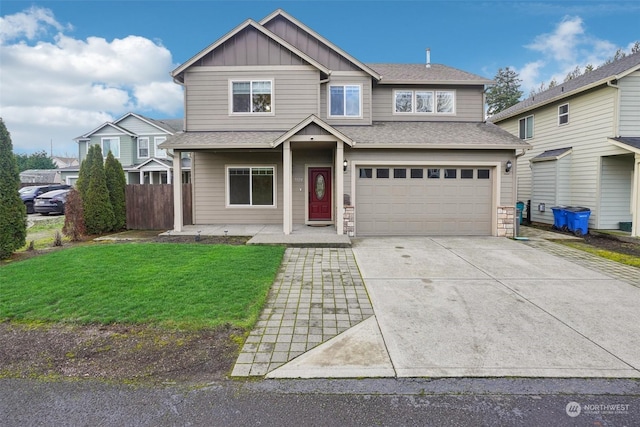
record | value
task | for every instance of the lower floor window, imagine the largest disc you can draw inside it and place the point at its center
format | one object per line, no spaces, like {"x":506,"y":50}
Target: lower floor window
{"x":251,"y":186}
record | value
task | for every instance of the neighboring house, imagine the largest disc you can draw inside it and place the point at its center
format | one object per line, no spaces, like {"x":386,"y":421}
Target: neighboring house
{"x":134,"y":140}
{"x":286,"y":128}
{"x":65,"y":162}
{"x":585,"y":135}
{"x":40,"y":176}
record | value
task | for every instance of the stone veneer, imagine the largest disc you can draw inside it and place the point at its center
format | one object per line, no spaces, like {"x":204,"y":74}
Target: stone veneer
{"x":506,"y":221}
{"x":349,"y":223}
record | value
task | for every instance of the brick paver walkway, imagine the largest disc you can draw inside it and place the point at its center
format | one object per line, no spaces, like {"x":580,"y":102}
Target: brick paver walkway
{"x":317,"y":294}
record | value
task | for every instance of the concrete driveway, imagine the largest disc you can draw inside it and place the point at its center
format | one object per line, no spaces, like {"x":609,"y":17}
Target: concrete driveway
{"x":454,"y":307}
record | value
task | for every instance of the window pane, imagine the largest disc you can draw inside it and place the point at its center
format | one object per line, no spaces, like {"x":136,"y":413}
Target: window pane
{"x":143,"y":147}
{"x":261,"y":97}
{"x":352,"y":100}
{"x":416,"y":173}
{"x":337,"y":100}
{"x":399,"y":173}
{"x":450,"y":173}
{"x":445,"y":102}
{"x":262,"y":186}
{"x":239,"y":189}
{"x":159,"y":151}
{"x":241,"y":97}
{"x":529,"y":127}
{"x":424,"y":102}
{"x":366,"y":173}
{"x":466,"y":173}
{"x":382,"y":173}
{"x":521,"y":124}
{"x":433,"y":173}
{"x":403,"y":102}
{"x":483,"y":173}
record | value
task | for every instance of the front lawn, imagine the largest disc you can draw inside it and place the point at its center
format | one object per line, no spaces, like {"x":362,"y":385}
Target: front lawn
{"x":171,"y":285}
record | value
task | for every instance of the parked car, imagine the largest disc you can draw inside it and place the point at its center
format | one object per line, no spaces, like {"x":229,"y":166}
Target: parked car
{"x":51,"y":202}
{"x":29,"y":194}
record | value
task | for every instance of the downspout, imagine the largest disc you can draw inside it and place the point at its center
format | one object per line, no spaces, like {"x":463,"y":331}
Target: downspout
{"x":320,"y":83}
{"x":616,"y":110}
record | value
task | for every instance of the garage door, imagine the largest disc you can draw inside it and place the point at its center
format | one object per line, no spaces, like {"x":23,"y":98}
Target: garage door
{"x":428,"y":201}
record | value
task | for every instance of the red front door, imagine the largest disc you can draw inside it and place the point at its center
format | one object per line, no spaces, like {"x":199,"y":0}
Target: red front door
{"x":320,"y":194}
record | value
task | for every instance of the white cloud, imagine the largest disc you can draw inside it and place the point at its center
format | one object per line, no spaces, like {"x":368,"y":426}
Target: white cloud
{"x":64,"y":87}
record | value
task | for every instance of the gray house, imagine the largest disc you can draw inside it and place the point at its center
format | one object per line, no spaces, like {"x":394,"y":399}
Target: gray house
{"x":585,"y":135}
{"x":134,"y":140}
{"x":287,"y":128}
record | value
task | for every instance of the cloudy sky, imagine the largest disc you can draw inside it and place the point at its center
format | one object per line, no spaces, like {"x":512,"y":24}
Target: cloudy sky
{"x":66,"y":66}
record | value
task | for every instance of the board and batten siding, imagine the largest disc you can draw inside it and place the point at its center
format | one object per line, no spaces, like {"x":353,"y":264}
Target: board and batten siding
{"x":361,"y":79}
{"x":591,"y":123}
{"x":207,"y":94}
{"x":209,"y":188}
{"x":630,"y":105}
{"x":441,"y":158}
{"x":468,"y":104}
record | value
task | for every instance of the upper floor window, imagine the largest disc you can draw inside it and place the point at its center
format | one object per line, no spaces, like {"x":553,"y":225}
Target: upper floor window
{"x":422,"y":101}
{"x":563,"y":114}
{"x":161,"y":153}
{"x":252,"y":96}
{"x":345,"y":101}
{"x":526,"y":127}
{"x":143,"y":147}
{"x":111,"y":144}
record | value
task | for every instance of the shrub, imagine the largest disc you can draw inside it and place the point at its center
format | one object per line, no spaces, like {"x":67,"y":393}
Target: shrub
{"x":74,"y":227}
{"x":116,"y":184}
{"x":98,"y":212}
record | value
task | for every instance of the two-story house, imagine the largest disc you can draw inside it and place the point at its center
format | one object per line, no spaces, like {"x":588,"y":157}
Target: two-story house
{"x":287,"y":128}
{"x":585,"y":135}
{"x":134,"y":140}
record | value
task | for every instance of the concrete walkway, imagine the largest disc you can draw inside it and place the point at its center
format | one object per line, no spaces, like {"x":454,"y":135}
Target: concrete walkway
{"x":456,"y":307}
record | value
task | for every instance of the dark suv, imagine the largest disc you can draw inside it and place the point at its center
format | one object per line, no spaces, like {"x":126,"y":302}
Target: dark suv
{"x":28,"y":194}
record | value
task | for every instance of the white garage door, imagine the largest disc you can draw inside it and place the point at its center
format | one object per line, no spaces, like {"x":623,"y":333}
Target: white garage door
{"x":415,"y":200}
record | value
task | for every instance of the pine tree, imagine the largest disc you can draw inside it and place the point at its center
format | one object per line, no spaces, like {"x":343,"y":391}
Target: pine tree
{"x":13,"y":214}
{"x":98,"y":212}
{"x":116,"y":183}
{"x":505,"y":93}
{"x":85,"y":169}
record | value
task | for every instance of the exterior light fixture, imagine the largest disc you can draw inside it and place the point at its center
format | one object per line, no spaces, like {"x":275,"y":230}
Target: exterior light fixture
{"x":344,"y":165}
{"x":507,"y":169}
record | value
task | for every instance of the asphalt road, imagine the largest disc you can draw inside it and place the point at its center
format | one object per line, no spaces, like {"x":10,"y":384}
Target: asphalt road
{"x":442,"y":402}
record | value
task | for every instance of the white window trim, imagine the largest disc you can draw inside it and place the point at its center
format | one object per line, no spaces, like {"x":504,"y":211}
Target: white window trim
{"x":148,"y":147}
{"x":344,"y":116}
{"x":251,"y":206}
{"x":159,"y":140}
{"x":563,"y":114}
{"x":105,"y":154}
{"x":251,"y":113}
{"x":525,"y":127}
{"x":413,"y":111}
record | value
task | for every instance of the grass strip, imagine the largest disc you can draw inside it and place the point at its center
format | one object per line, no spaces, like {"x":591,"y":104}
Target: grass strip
{"x":610,"y":255}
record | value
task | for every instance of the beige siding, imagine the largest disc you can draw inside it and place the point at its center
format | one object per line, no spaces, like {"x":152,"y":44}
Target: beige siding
{"x":364,"y":80}
{"x":468,"y":105}
{"x":630,"y":105}
{"x":440,"y":157}
{"x":617,"y":180}
{"x":308,"y":44}
{"x":591,"y":123}
{"x":295,"y":97}
{"x":209,"y":189}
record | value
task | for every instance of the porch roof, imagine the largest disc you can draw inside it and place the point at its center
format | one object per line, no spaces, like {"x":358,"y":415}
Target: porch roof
{"x":631,"y":143}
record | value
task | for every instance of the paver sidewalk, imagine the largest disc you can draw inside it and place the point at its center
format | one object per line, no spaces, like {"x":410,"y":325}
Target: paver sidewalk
{"x":317,"y":295}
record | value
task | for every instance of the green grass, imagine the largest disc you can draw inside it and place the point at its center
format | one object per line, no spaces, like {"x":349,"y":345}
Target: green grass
{"x":188,"y":286}
{"x":610,"y":255}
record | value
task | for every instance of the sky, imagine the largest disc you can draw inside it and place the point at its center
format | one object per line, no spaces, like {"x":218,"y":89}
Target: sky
{"x":68,"y":66}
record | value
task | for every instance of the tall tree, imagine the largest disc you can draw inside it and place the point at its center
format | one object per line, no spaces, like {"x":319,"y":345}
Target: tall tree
{"x":116,"y":183}
{"x":13,"y":214}
{"x":37,"y":160}
{"x":98,"y":212}
{"x":505,"y":93}
{"x":85,"y":169}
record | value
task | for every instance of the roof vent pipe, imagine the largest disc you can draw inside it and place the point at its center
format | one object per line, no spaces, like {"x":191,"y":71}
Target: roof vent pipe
{"x":428,"y":57}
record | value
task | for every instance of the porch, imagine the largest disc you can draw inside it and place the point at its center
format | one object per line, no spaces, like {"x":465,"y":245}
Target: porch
{"x":270,"y":234}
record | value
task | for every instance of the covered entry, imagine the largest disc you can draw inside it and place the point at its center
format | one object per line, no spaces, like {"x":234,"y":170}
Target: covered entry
{"x":424,"y":200}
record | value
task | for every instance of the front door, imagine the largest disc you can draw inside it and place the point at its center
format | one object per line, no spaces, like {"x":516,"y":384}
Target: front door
{"x":319,"y":194}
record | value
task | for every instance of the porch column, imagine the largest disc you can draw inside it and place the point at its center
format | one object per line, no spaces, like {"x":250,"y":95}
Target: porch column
{"x":339,"y":191}
{"x":169,"y":176}
{"x":287,"y":221}
{"x":177,"y":195}
{"x":141,"y":176}
{"x":635,"y":198}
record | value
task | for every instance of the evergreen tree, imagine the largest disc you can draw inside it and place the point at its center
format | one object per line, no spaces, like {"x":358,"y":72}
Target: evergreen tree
{"x":98,"y":212}
{"x":85,"y":169}
{"x":505,"y":93}
{"x":13,"y":214}
{"x":116,"y":183}
{"x":73,"y":216}
{"x":37,"y":160}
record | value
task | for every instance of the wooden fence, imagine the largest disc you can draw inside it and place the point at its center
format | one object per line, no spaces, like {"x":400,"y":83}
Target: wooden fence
{"x":150,"y":207}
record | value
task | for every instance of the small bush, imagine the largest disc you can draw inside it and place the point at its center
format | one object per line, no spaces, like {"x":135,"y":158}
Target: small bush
{"x":74,"y":227}
{"x":57,"y":239}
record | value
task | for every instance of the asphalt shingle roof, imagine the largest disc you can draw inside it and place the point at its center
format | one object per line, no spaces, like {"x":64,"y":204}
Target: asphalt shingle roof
{"x":420,"y":73}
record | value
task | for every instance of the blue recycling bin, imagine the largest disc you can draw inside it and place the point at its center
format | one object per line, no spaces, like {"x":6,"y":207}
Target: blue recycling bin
{"x":519,"y":209}
{"x":559,"y":217}
{"x":578,"y":220}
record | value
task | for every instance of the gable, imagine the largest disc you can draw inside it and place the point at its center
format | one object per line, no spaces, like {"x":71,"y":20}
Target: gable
{"x":137,"y":125}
